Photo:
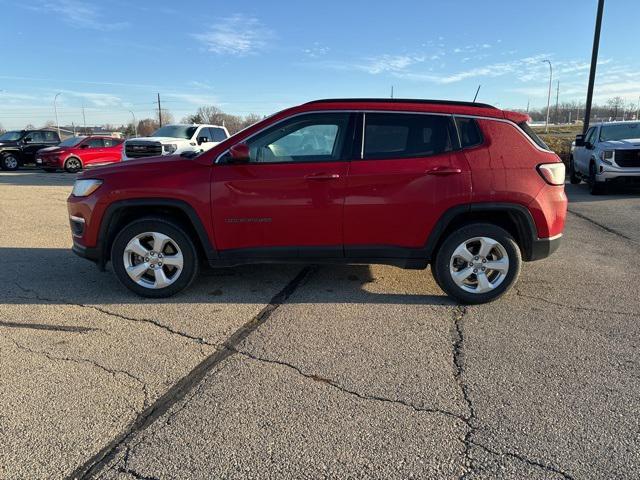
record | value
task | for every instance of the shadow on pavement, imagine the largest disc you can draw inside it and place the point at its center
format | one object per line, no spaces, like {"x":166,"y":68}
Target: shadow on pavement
{"x":36,"y":178}
{"x":57,"y":276}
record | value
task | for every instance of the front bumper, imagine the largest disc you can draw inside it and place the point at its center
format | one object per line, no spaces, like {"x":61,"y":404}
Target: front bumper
{"x":608,"y":173}
{"x":89,"y":253}
{"x":543,"y":247}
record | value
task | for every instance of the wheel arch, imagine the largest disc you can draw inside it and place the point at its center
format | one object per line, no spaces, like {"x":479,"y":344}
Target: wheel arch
{"x":121,"y":213}
{"x":514,"y":218}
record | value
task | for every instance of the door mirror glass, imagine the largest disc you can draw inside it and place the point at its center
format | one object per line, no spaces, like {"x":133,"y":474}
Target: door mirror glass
{"x":202,"y":140}
{"x":239,"y":153}
{"x":579,"y":140}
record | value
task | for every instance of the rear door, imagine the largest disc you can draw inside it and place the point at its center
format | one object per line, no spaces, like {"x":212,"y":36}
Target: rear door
{"x":408,"y":174}
{"x":288,"y":200}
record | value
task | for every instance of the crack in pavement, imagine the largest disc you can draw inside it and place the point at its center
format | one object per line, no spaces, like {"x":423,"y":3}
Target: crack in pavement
{"x":113,"y":372}
{"x":156,"y":323}
{"x":458,"y":363}
{"x":574,"y":307}
{"x":126,"y":469}
{"x":94,"y":465}
{"x":522,"y":458}
{"x":602,"y":226}
{"x":44,"y":326}
{"x":336,"y":385}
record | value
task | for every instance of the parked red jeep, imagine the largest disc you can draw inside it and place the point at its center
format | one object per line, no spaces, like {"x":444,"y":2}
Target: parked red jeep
{"x":465,"y":187}
{"x":75,"y":153}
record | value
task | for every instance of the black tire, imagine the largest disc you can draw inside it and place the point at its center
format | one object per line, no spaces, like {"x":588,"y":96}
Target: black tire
{"x":177,"y":235}
{"x":595,"y":187}
{"x":573,"y":177}
{"x":72,"y":165}
{"x":444,"y":256}
{"x":10,"y":162}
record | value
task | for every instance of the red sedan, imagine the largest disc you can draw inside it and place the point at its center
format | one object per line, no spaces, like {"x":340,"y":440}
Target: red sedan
{"x":75,"y":153}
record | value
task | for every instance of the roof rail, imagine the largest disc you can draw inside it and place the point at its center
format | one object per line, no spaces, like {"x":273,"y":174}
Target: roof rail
{"x":403,"y":100}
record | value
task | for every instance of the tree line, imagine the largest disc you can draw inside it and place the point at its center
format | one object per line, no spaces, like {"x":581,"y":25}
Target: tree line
{"x":615,"y":108}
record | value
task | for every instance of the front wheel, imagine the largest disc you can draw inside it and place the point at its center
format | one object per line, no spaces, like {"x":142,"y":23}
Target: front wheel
{"x":9,"y":161}
{"x":477,"y":263}
{"x":154,"y":258}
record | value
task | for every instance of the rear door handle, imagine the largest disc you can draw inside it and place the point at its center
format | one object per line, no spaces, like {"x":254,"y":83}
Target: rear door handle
{"x":323,"y":176}
{"x":443,"y":171}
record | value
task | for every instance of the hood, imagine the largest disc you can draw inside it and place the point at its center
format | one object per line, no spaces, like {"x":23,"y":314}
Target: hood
{"x":7,"y":143}
{"x":159,"y":139}
{"x":628,"y":144}
{"x":131,"y":164}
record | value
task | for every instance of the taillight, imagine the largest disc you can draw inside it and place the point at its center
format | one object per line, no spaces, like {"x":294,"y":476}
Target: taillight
{"x":552,"y":173}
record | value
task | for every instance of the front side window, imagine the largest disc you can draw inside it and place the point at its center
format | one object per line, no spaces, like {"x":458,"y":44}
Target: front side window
{"x":35,"y":137}
{"x":399,"y":135}
{"x":308,"y":138}
{"x":217,"y":134}
{"x":590,"y":135}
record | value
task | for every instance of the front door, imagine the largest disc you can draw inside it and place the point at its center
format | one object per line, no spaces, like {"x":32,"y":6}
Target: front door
{"x":92,"y":150}
{"x":582,"y":155}
{"x":288,"y":199}
{"x":33,"y":142}
{"x":407,"y":177}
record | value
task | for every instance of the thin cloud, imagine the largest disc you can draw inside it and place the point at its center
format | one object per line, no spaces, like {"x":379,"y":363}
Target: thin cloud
{"x":236,"y":35}
{"x":79,"y":14}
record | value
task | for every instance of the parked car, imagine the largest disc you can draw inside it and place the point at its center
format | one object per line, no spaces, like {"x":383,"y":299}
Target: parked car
{"x":18,"y":147}
{"x":608,"y":153}
{"x":76,"y":153}
{"x":175,"y":139}
{"x":465,"y":187}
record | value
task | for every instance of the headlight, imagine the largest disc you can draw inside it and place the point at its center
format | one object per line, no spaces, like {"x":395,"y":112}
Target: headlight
{"x":84,"y":188}
{"x":607,"y":156}
{"x":170,"y":148}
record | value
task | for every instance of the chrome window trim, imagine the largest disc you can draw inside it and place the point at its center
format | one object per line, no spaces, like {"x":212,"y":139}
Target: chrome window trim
{"x":408,"y":112}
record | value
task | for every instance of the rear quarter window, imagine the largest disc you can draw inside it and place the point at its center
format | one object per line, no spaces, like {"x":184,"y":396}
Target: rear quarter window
{"x":469,"y":131}
{"x":533,"y":135}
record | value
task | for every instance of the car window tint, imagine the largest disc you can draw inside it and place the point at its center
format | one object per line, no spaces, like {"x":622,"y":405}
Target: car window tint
{"x":217,"y":134}
{"x":393,"y":135}
{"x":36,"y":137}
{"x":308,"y":138}
{"x":590,"y":135}
{"x":110,"y":142}
{"x":469,"y":131}
{"x":95,"y":143}
{"x":50,"y":136}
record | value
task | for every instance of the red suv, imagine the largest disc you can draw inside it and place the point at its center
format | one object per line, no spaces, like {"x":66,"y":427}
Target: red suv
{"x":75,"y":153}
{"x":465,"y":187}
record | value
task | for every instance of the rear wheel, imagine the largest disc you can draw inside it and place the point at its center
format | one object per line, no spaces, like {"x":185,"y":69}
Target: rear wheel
{"x":73,"y":165}
{"x":154,"y":258}
{"x":477,"y":263}
{"x":595,"y":187}
{"x":573,"y":177}
{"x":9,"y":162}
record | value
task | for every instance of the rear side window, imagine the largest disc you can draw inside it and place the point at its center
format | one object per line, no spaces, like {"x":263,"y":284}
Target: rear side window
{"x":95,"y":143}
{"x":532,"y":135}
{"x":50,"y":136}
{"x":469,"y":131}
{"x":399,"y":135}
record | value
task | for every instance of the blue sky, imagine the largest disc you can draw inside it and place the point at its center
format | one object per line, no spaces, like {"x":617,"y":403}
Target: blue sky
{"x":258,"y":56}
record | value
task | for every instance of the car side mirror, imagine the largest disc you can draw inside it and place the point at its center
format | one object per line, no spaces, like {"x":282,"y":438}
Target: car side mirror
{"x":202,"y":140}
{"x":239,"y":153}
{"x":84,"y":146}
{"x":579,"y":140}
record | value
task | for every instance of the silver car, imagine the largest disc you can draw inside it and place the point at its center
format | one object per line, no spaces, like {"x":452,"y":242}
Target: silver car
{"x":608,"y":153}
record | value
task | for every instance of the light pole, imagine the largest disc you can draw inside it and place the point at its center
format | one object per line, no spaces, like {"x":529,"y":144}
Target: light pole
{"x":546,"y":126}
{"x":594,"y":64}
{"x":135,"y":125}
{"x":55,"y":109}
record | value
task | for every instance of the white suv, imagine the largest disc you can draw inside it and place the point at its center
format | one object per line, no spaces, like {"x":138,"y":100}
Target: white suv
{"x":174,"y":140}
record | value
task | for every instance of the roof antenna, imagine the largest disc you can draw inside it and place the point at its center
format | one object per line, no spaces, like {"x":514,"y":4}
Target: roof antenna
{"x":477,"y":91}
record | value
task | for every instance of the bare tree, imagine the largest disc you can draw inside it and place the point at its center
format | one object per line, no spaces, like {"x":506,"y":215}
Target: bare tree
{"x":215,"y":116}
{"x":29,"y":126}
{"x":147,"y":126}
{"x":615,"y":104}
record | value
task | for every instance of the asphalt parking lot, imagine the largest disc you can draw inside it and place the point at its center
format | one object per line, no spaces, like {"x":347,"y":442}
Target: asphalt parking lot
{"x":317,"y":372}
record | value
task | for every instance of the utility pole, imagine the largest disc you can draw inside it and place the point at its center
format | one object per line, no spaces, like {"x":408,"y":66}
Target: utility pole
{"x":638,"y":110}
{"x":84,"y":121}
{"x":546,"y":126}
{"x":55,"y":109}
{"x":557,"y":97}
{"x":74,"y":128}
{"x":528,"y":102}
{"x":159,"y":111}
{"x":135,"y":125}
{"x":391,"y":91}
{"x":594,"y":63}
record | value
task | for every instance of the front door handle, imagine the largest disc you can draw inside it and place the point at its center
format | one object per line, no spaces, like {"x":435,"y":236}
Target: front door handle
{"x":323,"y":176}
{"x":443,"y":171}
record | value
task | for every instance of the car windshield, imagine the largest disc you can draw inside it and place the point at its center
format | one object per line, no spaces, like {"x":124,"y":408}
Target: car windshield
{"x":71,"y":141}
{"x":10,"y":136}
{"x":176,"y":131}
{"x":620,"y":131}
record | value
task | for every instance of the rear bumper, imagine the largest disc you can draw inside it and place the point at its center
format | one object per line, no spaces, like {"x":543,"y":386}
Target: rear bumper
{"x":543,"y":247}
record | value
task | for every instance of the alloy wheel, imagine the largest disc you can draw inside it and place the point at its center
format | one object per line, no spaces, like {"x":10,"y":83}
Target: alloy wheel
{"x":153,"y":260}
{"x":10,"y":162}
{"x":479,"y":265}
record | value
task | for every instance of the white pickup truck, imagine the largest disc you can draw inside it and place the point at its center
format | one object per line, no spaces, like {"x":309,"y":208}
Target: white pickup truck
{"x":174,"y":140}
